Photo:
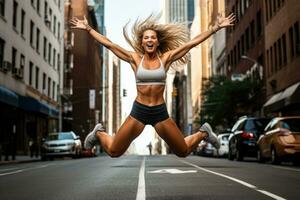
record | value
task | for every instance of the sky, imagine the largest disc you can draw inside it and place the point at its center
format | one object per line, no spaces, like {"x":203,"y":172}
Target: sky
{"x":117,"y":14}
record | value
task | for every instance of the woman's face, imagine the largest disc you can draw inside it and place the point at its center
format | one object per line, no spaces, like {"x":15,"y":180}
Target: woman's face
{"x":150,"y":41}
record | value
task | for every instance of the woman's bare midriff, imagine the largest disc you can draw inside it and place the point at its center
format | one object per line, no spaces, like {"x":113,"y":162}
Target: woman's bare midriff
{"x":150,"y":95}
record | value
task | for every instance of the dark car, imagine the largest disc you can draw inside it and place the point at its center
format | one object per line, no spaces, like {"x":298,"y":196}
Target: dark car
{"x":280,"y":141}
{"x":244,"y":136}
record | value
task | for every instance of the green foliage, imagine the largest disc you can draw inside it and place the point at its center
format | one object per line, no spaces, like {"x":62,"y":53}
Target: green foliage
{"x":225,"y":100}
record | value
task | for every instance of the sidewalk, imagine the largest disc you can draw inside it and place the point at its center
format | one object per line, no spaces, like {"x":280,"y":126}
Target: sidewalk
{"x":19,"y":159}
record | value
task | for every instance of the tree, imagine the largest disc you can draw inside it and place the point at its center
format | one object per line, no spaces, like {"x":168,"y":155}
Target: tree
{"x":225,"y":100}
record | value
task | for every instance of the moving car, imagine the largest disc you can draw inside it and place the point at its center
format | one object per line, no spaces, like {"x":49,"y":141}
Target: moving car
{"x":61,"y":144}
{"x":280,"y":141}
{"x":244,"y":136}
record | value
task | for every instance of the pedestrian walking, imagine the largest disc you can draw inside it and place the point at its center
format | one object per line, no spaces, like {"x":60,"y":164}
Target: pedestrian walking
{"x":157,"y":47}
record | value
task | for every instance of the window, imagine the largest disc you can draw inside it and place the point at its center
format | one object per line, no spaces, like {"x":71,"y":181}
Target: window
{"x":22,"y":65}
{"x":275,"y":56}
{"x":46,"y":17}
{"x":30,"y":72}
{"x":44,"y":82}
{"x":267,"y":10}
{"x":292,"y":46}
{"x":283,"y":38}
{"x":50,"y":17}
{"x":14,"y":57}
{"x":58,"y":31}
{"x":45,"y":48}
{"x":53,"y":90}
{"x":31,"y":32}
{"x":49,"y":53}
{"x":243,"y":44}
{"x":49,"y":86}
{"x":2,"y":43}
{"x":37,"y":70}
{"x":38,"y":40}
{"x":268,"y":64}
{"x":258,"y":24}
{"x":38,"y":6}
{"x":2,"y":7}
{"x":54,"y":57}
{"x":274,"y":6}
{"x":32,"y":3}
{"x":58,"y":62}
{"x":271,"y":60}
{"x":270,"y":8}
{"x":54,"y":25}
{"x":247,"y":39}
{"x":15,"y":14}
{"x":297,"y":38}
{"x":279,"y":49}
{"x":252,"y":31}
{"x":22,"y":21}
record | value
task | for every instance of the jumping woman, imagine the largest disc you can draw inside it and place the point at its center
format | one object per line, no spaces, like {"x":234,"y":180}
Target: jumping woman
{"x":156,"y":47}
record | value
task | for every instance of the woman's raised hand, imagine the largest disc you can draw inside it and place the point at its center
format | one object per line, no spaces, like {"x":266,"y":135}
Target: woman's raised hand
{"x":226,"y":21}
{"x":80,"y":24}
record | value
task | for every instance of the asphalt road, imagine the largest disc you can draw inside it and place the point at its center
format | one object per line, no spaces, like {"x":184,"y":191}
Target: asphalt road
{"x":148,"y":177}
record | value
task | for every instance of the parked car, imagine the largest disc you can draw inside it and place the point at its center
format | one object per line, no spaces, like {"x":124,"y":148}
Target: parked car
{"x":223,"y":139}
{"x":280,"y":141}
{"x":206,"y":149}
{"x":61,"y":144}
{"x":244,"y":136}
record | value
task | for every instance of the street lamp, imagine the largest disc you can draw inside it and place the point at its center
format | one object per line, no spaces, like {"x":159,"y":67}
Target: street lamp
{"x":255,"y":67}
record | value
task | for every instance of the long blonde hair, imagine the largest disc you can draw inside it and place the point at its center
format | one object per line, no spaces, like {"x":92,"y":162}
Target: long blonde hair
{"x":170,"y":36}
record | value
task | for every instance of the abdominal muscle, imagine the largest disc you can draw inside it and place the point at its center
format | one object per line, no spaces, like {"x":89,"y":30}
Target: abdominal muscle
{"x":150,"y":95}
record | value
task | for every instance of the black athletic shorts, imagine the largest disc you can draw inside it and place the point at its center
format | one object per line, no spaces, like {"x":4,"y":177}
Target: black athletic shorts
{"x":149,"y":114}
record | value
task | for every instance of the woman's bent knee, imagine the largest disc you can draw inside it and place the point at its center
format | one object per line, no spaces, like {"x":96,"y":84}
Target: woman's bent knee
{"x":115,"y":154}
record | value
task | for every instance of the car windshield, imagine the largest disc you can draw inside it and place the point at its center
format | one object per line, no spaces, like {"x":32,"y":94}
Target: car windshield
{"x":256,"y":124}
{"x":291,"y":124}
{"x":60,"y":136}
{"x":225,"y":137}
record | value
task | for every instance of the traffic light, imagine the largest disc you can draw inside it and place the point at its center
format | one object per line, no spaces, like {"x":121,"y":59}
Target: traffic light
{"x":124,"y":93}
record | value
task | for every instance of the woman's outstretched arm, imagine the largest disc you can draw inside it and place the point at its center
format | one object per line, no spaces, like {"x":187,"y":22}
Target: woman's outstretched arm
{"x":116,"y":49}
{"x":176,"y":54}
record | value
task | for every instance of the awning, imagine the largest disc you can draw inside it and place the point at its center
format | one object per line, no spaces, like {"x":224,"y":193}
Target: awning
{"x":279,"y":100}
{"x":32,"y":105}
{"x":9,"y":97}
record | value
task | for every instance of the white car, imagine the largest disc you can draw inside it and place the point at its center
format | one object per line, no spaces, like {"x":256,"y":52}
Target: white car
{"x":61,"y":144}
{"x":223,"y":139}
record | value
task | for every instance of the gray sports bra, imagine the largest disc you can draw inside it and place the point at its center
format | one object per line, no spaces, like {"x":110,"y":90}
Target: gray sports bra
{"x":150,"y":76}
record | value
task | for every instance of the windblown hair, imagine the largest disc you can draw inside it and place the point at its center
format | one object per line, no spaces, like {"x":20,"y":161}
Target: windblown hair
{"x":170,"y":36}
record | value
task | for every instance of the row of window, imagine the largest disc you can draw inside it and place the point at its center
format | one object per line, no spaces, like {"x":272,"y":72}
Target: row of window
{"x":277,"y":53}
{"x":239,"y":9}
{"x":247,"y":40}
{"x":49,"y":53}
{"x":49,"y":87}
{"x":272,"y":7}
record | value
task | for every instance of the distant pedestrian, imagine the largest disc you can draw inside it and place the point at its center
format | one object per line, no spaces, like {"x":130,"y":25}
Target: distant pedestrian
{"x":150,"y":148}
{"x":156,"y":47}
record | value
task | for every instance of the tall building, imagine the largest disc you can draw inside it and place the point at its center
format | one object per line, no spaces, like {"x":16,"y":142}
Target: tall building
{"x":282,"y":56}
{"x":245,"y":44}
{"x":31,"y":57}
{"x":83,"y":70}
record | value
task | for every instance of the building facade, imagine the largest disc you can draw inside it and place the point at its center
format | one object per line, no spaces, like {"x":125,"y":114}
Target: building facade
{"x":83,"y":70}
{"x":31,"y":57}
{"x":282,"y":56}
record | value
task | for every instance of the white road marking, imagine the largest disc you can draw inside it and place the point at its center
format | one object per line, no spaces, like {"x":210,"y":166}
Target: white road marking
{"x":8,"y":169}
{"x":9,"y":173}
{"x":274,"y":196}
{"x":172,"y":171}
{"x":21,"y":170}
{"x":287,"y":168}
{"x":141,"y":192}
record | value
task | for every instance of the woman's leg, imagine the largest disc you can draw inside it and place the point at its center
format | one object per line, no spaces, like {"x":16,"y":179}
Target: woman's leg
{"x":116,"y":145}
{"x":171,"y":134}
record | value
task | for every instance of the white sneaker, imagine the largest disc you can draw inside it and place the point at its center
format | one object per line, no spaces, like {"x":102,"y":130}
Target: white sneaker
{"x":91,"y":139}
{"x":211,"y":137}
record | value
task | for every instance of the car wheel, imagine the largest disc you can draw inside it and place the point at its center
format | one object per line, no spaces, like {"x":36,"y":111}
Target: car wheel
{"x":274,"y":157}
{"x":239,"y":155}
{"x":230,"y":156}
{"x":259,"y":156}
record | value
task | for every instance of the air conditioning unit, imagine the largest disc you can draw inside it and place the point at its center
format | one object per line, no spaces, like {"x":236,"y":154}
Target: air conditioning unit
{"x":19,"y":73}
{"x":47,"y":20}
{"x":6,"y":66}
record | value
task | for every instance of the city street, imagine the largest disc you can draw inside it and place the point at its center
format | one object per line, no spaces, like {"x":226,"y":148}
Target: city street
{"x":148,"y":177}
